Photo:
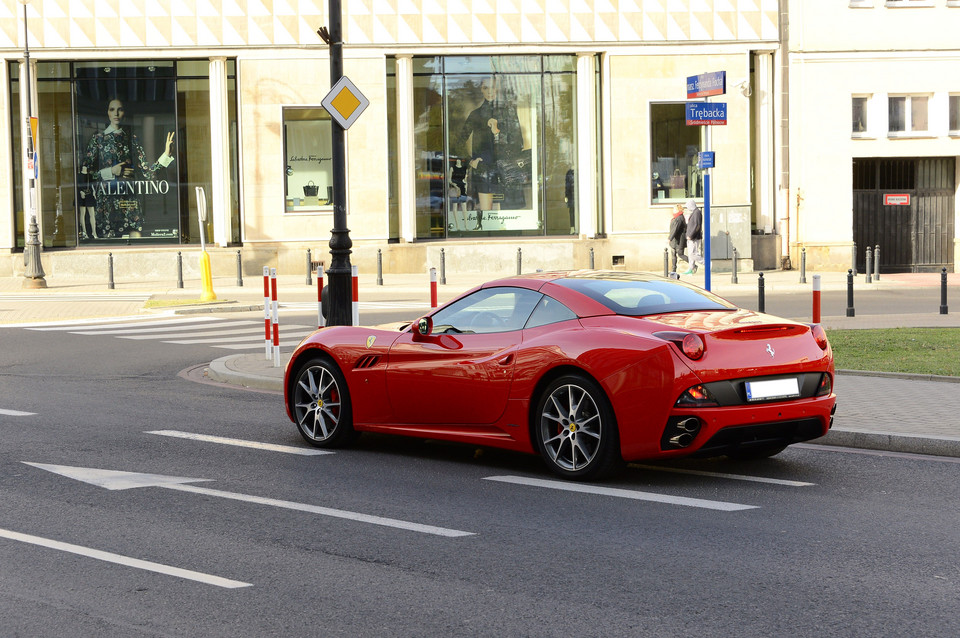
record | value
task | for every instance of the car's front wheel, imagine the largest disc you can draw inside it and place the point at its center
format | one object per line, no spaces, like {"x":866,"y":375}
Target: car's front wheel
{"x":575,"y":430}
{"x":321,"y":404}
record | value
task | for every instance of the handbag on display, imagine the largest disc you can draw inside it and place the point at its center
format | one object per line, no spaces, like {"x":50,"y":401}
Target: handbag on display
{"x":310,"y":189}
{"x":517,"y":170}
{"x":678,"y":180}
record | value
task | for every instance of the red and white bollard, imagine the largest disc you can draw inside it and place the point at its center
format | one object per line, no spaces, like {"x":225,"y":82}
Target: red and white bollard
{"x":274,"y":309}
{"x":433,"y":287}
{"x":816,"y":299}
{"x":320,"y":321}
{"x":356,"y":296}
{"x":267,"y":341}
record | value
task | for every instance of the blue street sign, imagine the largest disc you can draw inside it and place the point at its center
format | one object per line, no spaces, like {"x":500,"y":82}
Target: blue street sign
{"x":706,"y":113}
{"x":705,"y":159}
{"x":706,"y":84}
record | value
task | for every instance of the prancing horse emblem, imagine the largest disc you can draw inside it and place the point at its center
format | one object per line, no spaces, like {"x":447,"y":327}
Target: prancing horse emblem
{"x":371,"y":339}
{"x":770,"y":350}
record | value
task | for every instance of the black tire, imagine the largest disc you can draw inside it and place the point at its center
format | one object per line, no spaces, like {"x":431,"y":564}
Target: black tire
{"x":320,"y":403}
{"x":756,"y":454}
{"x":575,"y":430}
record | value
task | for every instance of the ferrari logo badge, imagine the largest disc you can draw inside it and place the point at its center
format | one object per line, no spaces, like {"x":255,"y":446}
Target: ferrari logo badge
{"x":769,"y":349}
{"x":371,"y":339}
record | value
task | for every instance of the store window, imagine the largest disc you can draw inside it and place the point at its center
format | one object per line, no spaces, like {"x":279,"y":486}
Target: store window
{"x":308,"y":153}
{"x":907,"y":114}
{"x":495,"y":144}
{"x":674,"y":148}
{"x":113,"y":162}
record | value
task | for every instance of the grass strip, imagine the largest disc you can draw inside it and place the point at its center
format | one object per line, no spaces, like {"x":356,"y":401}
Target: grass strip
{"x":909,"y":350}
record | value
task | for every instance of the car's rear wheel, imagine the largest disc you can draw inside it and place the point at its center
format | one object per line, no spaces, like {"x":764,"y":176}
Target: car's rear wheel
{"x":575,"y":430}
{"x":321,"y":404}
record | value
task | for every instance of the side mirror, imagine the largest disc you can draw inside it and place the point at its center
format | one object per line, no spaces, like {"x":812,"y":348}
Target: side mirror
{"x":424,"y":326}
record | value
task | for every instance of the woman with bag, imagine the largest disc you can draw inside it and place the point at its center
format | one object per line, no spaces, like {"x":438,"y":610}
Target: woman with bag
{"x":694,"y":236}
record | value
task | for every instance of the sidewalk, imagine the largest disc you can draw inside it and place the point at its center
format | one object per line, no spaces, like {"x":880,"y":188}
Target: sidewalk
{"x":896,"y":407}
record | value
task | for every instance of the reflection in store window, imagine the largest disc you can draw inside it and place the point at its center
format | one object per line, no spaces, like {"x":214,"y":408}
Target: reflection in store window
{"x":308,"y":151}
{"x":673,"y":154}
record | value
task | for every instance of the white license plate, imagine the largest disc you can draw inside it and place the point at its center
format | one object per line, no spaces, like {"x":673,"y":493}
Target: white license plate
{"x":772,"y":389}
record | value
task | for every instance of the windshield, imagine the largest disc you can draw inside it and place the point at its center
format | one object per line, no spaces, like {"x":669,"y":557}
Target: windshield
{"x":634,"y":295}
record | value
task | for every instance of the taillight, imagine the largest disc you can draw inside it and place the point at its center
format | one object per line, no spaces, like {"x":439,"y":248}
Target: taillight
{"x":696,"y":397}
{"x":826,"y":385}
{"x":820,"y":335}
{"x":690,"y":344}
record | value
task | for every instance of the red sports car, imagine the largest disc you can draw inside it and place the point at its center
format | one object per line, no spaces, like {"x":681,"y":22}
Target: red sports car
{"x":588,"y":368}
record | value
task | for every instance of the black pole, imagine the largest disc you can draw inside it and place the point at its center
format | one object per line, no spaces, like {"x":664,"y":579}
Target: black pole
{"x":179,"y":269}
{"x":736,"y":266}
{"x":761,"y":302}
{"x":850,"y":311}
{"x":339,"y":275}
{"x":943,"y":291}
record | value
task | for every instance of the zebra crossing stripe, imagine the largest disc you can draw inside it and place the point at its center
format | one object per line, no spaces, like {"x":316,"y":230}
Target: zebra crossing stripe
{"x":16,"y":413}
{"x":66,"y":327}
{"x":186,"y":325}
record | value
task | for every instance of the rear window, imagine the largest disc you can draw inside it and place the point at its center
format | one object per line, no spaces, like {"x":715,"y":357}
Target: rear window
{"x":635,"y":295}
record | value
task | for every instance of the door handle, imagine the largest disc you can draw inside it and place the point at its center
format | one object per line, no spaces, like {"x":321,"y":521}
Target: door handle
{"x":507,"y":360}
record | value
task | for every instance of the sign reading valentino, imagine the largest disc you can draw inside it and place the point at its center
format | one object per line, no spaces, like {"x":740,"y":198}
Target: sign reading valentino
{"x":126,"y":177}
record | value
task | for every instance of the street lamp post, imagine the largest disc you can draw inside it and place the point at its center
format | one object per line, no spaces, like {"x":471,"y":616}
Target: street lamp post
{"x":340,"y":272}
{"x":33,"y":268}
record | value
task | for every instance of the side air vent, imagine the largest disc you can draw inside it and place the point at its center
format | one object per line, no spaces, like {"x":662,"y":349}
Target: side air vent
{"x":368,"y":361}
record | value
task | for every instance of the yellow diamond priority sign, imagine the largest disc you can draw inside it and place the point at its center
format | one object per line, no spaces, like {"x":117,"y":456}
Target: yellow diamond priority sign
{"x":345,"y":102}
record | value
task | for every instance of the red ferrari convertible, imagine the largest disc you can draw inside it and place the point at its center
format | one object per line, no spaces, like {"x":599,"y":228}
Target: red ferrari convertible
{"x":589,"y":369}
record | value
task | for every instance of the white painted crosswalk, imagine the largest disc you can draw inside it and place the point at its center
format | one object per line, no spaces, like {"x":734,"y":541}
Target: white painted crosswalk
{"x":245,"y":334}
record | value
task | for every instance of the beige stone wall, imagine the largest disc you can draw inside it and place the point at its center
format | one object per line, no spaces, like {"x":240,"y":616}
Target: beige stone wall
{"x":132,"y":24}
{"x":266,"y":86}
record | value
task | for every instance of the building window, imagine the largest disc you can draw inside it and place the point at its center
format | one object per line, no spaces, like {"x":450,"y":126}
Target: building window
{"x":674,"y":147}
{"x":907,"y":114}
{"x":495,"y":145}
{"x":308,"y":151}
{"x":859,"y":116}
{"x":955,"y":114}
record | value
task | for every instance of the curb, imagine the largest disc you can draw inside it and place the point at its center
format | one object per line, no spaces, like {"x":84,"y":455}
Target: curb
{"x":220,"y":370}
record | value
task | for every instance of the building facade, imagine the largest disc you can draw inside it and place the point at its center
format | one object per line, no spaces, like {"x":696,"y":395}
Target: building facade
{"x":555,"y":126}
{"x":873,"y":139}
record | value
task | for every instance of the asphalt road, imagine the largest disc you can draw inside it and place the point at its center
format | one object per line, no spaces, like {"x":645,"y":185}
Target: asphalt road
{"x":415,"y":538}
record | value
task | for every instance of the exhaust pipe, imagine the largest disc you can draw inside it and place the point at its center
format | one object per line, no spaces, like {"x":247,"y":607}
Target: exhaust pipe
{"x":686,"y":431}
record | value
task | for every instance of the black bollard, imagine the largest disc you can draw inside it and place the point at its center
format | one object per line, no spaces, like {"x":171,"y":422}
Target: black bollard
{"x":736,"y":266}
{"x":761,"y":302}
{"x":309,"y":281}
{"x":591,"y":259}
{"x":943,"y":291}
{"x":110,"y":271}
{"x":379,"y":267}
{"x":519,"y":260}
{"x":443,"y":267}
{"x":803,"y":265}
{"x":239,"y":270}
{"x":876,"y":262}
{"x":850,"y":311}
{"x":179,"y":269}
{"x":666,"y":262}
{"x":868,"y":271}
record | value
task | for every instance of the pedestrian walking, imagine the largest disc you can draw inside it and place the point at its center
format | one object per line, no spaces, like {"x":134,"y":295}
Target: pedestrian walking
{"x":694,"y":236}
{"x":677,"y":238}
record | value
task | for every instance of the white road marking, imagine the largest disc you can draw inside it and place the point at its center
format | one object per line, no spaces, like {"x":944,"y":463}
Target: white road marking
{"x":621,"y":493}
{"x":258,"y":338}
{"x":126,"y":324}
{"x":16,"y":413}
{"x":288,"y":449}
{"x":57,"y":325}
{"x":126,"y":561}
{"x":736,"y":477}
{"x":118,"y":480}
{"x":184,"y":325}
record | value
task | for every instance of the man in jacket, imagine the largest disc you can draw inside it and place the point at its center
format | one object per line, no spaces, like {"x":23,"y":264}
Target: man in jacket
{"x":677,"y":238}
{"x":694,"y":235}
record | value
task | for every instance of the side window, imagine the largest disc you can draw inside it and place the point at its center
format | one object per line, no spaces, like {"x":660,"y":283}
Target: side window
{"x":548,"y":311}
{"x":308,"y":159}
{"x":490,"y":310}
